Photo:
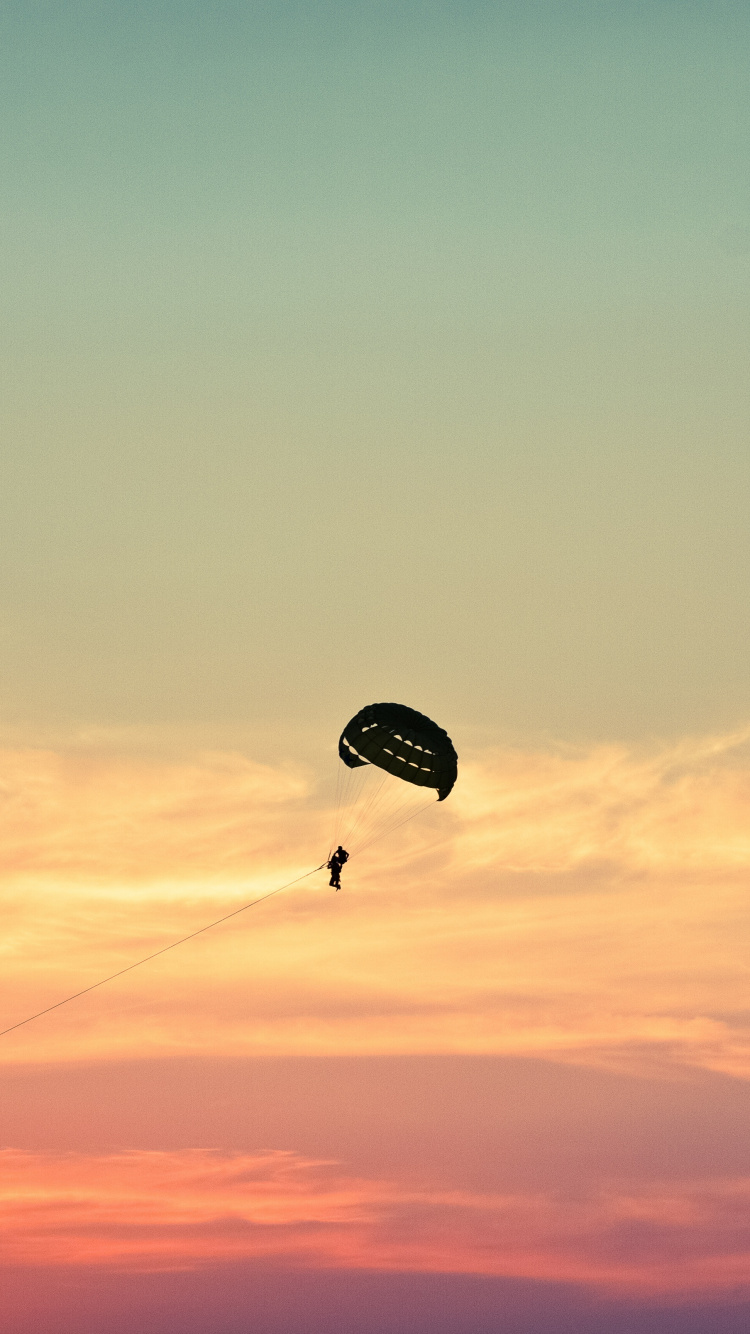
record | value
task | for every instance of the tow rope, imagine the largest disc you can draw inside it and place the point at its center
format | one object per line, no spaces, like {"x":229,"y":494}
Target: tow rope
{"x":164,"y":950}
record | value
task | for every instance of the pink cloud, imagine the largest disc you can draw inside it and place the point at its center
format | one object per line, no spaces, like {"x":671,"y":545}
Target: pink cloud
{"x":143,"y":1211}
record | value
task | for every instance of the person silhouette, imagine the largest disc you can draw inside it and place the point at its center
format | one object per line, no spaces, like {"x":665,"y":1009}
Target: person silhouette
{"x":335,"y":864}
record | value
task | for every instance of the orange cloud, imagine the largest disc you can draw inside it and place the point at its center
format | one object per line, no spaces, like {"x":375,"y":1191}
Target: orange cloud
{"x":180,"y":1210}
{"x":92,"y":815}
{"x":684,"y":808}
{"x":591,"y":905}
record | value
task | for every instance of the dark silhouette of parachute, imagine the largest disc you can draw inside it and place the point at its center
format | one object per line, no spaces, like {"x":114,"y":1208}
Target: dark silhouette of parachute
{"x":404,"y":743}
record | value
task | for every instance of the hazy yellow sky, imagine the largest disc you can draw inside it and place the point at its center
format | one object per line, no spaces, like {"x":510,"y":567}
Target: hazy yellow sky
{"x":371,"y":352}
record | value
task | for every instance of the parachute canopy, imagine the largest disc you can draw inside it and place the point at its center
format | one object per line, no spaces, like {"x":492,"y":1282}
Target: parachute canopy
{"x":404,"y":743}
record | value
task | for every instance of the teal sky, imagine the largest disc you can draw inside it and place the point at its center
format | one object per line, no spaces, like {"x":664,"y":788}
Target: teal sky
{"x":359,"y":351}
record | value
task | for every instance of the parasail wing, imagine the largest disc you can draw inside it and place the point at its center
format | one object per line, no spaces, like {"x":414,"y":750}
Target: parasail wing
{"x":405,"y":743}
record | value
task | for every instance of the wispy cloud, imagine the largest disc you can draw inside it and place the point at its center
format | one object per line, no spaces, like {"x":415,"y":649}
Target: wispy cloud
{"x":123,"y":819}
{"x":178,"y":1210}
{"x":683,"y":807}
{"x":585,"y":903}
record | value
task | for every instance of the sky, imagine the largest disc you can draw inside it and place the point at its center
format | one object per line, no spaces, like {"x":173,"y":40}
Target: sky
{"x":355,"y":352}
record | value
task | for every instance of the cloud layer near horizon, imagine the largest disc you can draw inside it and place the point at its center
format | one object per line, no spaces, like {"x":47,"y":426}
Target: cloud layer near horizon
{"x":158,"y":1210}
{"x":586,"y":907}
{"x":583,"y":903}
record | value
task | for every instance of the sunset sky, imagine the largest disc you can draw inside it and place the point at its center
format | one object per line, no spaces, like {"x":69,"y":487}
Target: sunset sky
{"x":356,"y":352}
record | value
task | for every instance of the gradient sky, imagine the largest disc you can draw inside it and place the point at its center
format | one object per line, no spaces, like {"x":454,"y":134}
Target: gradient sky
{"x":360,"y":351}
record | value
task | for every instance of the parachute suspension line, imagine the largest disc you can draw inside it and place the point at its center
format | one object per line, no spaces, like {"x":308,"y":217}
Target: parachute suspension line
{"x":344,"y":787}
{"x":376,"y":814}
{"x":361,"y":790}
{"x":378,"y":806}
{"x":358,"y":793}
{"x":367,"y":798}
{"x":392,"y":802}
{"x":362,"y":810}
{"x":165,"y":950}
{"x":391,"y":828}
{"x":340,"y":788}
{"x":381,"y":804}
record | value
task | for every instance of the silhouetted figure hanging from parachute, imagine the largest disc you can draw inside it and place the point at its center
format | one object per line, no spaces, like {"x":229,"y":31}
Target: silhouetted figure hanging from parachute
{"x":335,"y":864}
